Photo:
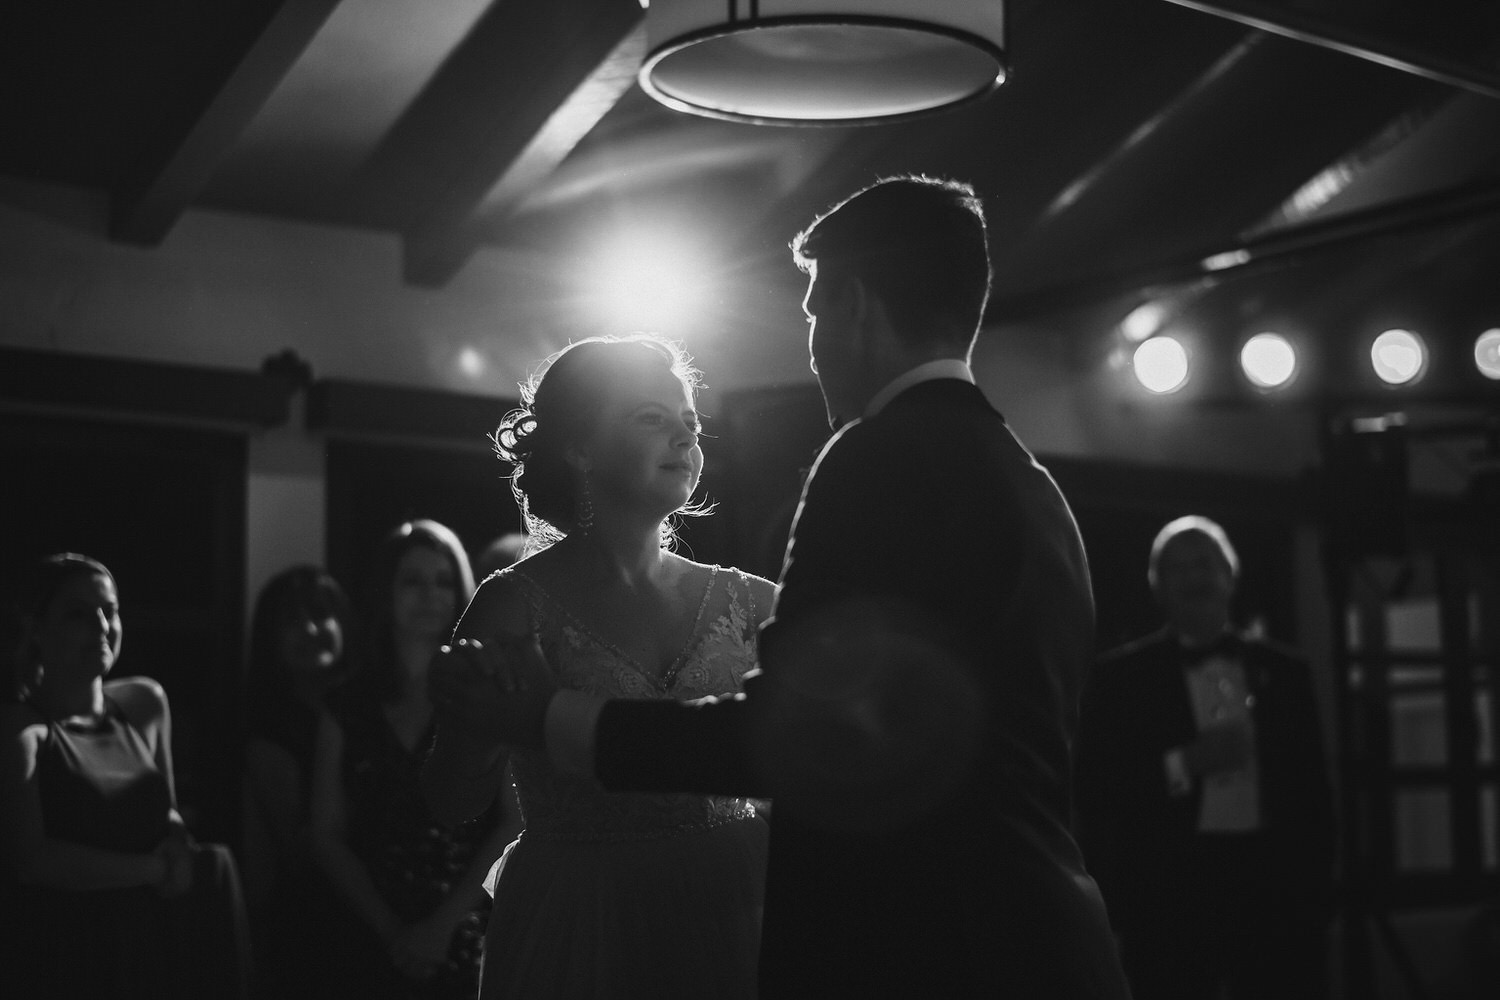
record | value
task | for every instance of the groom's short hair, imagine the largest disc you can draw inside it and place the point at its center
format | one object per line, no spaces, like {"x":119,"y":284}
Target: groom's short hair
{"x":919,"y":243}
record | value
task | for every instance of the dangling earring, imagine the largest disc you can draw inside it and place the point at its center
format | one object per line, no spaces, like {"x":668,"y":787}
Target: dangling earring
{"x":585,"y":513}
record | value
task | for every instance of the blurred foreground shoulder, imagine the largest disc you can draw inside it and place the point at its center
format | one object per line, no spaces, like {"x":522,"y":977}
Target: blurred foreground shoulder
{"x":143,"y":699}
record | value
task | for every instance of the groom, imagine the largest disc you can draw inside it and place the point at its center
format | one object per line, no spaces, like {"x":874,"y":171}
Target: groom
{"x":913,"y":717}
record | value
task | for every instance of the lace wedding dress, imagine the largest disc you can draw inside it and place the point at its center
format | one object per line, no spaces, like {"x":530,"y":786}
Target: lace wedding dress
{"x":611,"y":895}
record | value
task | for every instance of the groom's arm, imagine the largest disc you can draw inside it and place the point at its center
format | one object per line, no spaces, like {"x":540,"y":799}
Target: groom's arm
{"x":715,"y":746}
{"x":719,"y":746}
{"x":656,"y":746}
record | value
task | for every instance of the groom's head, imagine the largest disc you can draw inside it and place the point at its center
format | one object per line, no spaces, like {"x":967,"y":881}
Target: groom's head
{"x":899,"y":274}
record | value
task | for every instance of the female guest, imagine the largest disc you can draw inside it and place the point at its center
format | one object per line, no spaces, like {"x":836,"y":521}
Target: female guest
{"x":299,"y":651}
{"x":107,"y":893}
{"x":413,"y":885}
{"x":611,"y":895}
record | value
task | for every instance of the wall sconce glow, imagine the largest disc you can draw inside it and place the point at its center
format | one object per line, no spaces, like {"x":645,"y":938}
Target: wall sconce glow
{"x":1398,"y":356}
{"x":472,"y":363}
{"x":822,"y":62}
{"x":1224,"y":261}
{"x":1143,"y":321}
{"x":1268,"y":360}
{"x":1161,"y":365}
{"x":1487,"y":353}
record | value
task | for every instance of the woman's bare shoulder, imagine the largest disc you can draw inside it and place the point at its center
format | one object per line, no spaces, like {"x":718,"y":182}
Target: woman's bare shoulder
{"x":20,"y":723}
{"x":143,"y":700}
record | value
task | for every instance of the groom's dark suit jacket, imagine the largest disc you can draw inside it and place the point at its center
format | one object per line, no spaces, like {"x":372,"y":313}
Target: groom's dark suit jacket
{"x":931,"y":506}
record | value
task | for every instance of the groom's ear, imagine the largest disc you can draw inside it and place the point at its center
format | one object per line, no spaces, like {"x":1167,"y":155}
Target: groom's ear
{"x":864,"y":307}
{"x":852,"y":298}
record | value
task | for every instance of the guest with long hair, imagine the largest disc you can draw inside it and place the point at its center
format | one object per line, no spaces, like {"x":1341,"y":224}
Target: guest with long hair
{"x":412,"y":884}
{"x":301,"y":634}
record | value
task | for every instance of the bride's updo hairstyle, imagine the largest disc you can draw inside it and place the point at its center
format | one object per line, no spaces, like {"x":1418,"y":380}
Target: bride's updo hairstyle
{"x":560,"y":407}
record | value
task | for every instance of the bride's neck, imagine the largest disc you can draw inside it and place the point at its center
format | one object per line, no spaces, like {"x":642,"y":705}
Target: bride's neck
{"x":628,"y":557}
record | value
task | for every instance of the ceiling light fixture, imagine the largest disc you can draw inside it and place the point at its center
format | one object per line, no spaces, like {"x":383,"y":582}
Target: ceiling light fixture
{"x":808,"y":62}
{"x":1161,"y":364}
{"x":1487,"y":353}
{"x":1398,"y":357}
{"x":1268,"y":360}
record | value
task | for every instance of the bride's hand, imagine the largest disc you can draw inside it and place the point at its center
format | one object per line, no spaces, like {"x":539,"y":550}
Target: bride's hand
{"x":493,"y":693}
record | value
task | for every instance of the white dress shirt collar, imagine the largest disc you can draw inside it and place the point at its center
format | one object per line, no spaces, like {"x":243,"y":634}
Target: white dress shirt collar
{"x":926,"y":372}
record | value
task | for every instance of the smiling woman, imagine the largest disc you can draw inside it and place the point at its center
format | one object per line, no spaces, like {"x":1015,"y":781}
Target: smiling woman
{"x":605,"y":452}
{"x":94,"y":849}
{"x":410,"y":884}
{"x":586,"y":407}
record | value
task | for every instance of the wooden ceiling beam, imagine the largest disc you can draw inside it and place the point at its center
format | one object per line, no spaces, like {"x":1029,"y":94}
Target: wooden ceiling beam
{"x":1451,"y":46}
{"x":510,"y":103}
{"x":246,"y":66}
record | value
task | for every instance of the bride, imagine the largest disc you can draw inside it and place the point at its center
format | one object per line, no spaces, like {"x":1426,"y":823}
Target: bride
{"x":612,"y":894}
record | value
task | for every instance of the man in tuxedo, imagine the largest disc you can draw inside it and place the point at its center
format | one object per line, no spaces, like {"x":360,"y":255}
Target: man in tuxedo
{"x":912,"y":717}
{"x":1204,"y":805}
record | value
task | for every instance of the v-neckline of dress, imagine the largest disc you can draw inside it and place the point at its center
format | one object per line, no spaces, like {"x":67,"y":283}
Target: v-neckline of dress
{"x":665,"y":678}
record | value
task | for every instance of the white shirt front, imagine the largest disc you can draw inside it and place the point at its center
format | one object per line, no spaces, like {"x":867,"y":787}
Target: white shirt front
{"x":1220,"y":696}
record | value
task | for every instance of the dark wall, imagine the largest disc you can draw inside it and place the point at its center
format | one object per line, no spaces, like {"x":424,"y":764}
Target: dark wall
{"x":374,"y":487}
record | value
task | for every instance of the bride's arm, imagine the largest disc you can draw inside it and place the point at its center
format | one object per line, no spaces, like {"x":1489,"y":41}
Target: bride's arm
{"x":462,"y":776}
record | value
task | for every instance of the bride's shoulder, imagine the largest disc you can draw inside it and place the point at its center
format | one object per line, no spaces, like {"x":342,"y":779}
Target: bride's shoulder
{"x":762,"y":592}
{"x":501,"y":605}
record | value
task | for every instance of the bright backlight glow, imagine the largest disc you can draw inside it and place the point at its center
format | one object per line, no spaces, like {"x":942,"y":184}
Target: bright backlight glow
{"x":1487,"y":353}
{"x":648,"y":281}
{"x":1268,"y":360}
{"x":1398,"y":356}
{"x":1161,"y":365}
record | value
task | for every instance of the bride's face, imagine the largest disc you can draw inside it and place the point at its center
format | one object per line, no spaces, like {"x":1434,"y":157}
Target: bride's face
{"x":645,"y":452}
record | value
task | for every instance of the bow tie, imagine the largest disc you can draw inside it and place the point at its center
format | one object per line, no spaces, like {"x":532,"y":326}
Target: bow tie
{"x":1227,"y":644}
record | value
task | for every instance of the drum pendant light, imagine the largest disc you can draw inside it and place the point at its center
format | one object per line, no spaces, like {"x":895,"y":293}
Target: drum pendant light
{"x":808,"y":62}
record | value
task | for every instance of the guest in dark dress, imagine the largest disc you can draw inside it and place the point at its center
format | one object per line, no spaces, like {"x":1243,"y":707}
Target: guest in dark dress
{"x":106,"y":894}
{"x":300,"y":635}
{"x":413,"y":886}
